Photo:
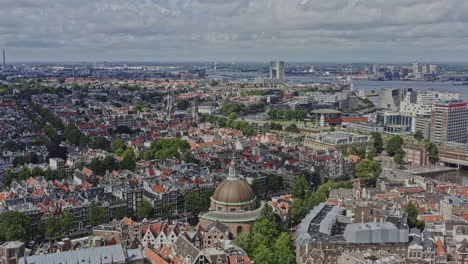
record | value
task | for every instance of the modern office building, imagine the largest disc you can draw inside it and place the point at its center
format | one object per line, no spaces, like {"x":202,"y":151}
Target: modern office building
{"x":416,"y":68}
{"x":449,"y":122}
{"x":277,"y":71}
{"x":390,"y":99}
{"x":375,"y":69}
{"x":394,"y":122}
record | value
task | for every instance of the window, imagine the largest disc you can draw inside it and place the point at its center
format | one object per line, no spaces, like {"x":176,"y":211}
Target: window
{"x":239,"y":230}
{"x":233,"y":209}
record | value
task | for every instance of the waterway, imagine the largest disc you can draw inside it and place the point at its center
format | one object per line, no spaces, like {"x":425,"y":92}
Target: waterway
{"x":459,"y":177}
{"x":359,"y":84}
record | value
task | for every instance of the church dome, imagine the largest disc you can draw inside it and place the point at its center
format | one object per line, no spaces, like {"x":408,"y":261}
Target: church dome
{"x":235,"y":191}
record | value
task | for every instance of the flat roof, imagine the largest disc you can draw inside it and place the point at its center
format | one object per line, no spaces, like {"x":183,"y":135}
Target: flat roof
{"x":325,"y":111}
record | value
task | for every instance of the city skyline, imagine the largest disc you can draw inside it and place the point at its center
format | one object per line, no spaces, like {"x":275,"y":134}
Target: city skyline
{"x":292,"y":31}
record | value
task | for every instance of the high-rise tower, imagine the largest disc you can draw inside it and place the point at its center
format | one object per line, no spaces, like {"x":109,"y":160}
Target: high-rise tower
{"x":449,"y":122}
{"x":4,"y":60}
{"x":277,"y":70}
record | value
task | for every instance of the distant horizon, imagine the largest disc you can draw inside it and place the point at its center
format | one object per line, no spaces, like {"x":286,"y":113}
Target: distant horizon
{"x":229,"y":62}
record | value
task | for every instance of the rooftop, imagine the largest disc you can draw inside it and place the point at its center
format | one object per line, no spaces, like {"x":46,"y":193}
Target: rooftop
{"x":107,"y":254}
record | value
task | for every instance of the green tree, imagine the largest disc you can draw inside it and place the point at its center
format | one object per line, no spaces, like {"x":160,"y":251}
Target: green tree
{"x":96,"y":166}
{"x":433,"y":150}
{"x":378,"y":141}
{"x":14,"y":225}
{"x":118,"y":144}
{"x":413,"y":217}
{"x":283,"y":250}
{"x":24,"y":173}
{"x":166,"y":210}
{"x":263,"y":255}
{"x":100,"y":143}
{"x":144,"y":210}
{"x":418,"y":135}
{"x":66,"y":222}
{"x":368,"y":170}
{"x":298,"y":210}
{"x":371,"y":154}
{"x":49,"y":174}
{"x":196,"y":203}
{"x":274,"y":183}
{"x":190,"y":158}
{"x":234,"y":107}
{"x":166,"y":149}
{"x":256,"y":187}
{"x":108,"y":163}
{"x":96,"y":214}
{"x":120,"y":212}
{"x":399,"y":156}
{"x":361,"y":152}
{"x":395,"y":143}
{"x":8,"y":178}
{"x":61,"y":174}
{"x":183,"y":105}
{"x":292,"y":128}
{"x":276,"y":126}
{"x":50,"y":228}
{"x":244,"y":241}
{"x":36,"y":171}
{"x":129,"y":160}
{"x":20,"y":160}
{"x":300,"y":187}
{"x":268,"y":212}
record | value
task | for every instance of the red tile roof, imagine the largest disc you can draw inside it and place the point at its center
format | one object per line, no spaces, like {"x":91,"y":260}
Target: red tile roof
{"x":153,"y":257}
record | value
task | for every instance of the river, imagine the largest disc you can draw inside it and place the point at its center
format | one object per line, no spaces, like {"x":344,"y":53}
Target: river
{"x":359,"y":84}
{"x":459,"y":177}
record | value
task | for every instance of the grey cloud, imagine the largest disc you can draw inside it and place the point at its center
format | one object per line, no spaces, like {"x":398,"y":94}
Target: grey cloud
{"x":227,"y":30}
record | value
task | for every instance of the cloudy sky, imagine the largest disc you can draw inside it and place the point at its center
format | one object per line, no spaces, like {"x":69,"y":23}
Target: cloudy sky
{"x":234,"y":30}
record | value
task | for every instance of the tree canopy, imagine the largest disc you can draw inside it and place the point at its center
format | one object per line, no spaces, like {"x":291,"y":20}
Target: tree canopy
{"x":234,"y":107}
{"x":413,"y":217}
{"x":129,"y":160}
{"x":378,"y":141}
{"x":267,"y":242}
{"x":166,"y":149}
{"x":418,"y":135}
{"x":196,"y":202}
{"x":66,"y":222}
{"x":395,"y":143}
{"x":433,"y":150}
{"x":368,"y":170}
{"x":14,"y":225}
{"x":292,"y":128}
{"x":287,"y":114}
{"x":144,"y":210}
{"x":96,"y":214}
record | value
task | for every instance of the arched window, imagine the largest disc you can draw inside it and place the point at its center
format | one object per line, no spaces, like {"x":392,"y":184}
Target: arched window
{"x":239,"y":230}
